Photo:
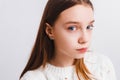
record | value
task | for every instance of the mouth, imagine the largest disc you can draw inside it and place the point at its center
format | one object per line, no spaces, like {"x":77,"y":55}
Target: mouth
{"x":82,"y":50}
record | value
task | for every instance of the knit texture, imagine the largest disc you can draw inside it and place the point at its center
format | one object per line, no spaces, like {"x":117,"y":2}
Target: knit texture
{"x":99,"y":65}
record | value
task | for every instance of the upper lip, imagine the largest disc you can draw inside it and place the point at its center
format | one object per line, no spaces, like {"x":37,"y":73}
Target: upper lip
{"x":82,"y":48}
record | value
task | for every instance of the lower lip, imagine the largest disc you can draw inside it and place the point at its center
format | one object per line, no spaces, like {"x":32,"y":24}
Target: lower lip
{"x":83,"y":50}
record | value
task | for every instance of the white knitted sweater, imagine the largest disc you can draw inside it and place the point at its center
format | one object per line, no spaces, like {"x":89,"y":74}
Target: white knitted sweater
{"x":100,"y":66}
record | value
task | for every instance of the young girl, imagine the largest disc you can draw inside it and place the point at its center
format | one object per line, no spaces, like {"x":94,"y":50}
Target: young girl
{"x":61,"y":50}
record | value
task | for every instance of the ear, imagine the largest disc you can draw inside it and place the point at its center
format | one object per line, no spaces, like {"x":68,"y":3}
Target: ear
{"x":49,"y":31}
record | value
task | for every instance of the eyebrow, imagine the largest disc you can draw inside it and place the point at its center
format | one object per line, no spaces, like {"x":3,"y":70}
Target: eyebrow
{"x":77,"y":22}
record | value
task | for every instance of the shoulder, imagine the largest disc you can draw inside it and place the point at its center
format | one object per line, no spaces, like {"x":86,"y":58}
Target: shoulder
{"x":100,"y":65}
{"x":34,"y":75}
{"x":97,"y":58}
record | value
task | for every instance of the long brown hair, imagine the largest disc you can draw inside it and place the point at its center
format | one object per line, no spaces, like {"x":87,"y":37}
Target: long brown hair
{"x":43,"y":50}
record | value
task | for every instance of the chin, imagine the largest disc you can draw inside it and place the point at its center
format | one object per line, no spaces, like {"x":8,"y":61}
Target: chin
{"x":80,"y":56}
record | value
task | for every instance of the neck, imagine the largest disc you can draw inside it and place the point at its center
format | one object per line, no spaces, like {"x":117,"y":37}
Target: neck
{"x":62,"y":61}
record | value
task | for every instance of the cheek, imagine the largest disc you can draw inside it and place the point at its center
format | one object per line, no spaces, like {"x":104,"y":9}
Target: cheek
{"x":64,"y":40}
{"x":90,"y":35}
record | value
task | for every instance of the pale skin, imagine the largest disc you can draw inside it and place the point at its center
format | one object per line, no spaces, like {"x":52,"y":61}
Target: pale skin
{"x":71,"y":32}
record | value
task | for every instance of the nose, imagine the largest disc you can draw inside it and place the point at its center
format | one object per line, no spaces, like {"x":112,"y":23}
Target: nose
{"x":83,"y":39}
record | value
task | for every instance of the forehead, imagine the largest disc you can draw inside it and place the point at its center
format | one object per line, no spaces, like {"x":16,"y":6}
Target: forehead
{"x":79,"y":13}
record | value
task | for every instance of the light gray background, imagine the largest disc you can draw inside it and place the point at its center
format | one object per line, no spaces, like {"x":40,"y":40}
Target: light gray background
{"x":19,"y":21}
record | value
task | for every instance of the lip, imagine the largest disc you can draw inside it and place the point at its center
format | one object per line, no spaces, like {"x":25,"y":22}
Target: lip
{"x":82,"y":50}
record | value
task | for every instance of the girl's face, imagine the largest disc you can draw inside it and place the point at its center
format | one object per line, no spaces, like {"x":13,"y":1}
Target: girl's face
{"x":72,"y":32}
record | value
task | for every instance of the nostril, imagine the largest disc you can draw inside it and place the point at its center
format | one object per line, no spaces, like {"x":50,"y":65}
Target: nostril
{"x":83,"y":40}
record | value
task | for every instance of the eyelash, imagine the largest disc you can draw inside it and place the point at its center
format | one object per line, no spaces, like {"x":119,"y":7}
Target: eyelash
{"x":73,"y":28}
{"x":90,"y":27}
